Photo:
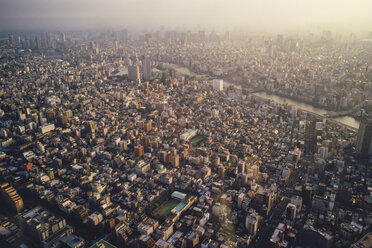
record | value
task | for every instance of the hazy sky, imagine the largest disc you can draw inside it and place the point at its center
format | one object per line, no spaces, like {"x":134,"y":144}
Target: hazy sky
{"x":349,"y":15}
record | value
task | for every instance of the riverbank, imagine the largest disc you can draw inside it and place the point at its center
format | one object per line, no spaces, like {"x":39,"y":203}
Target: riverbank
{"x":344,"y":120}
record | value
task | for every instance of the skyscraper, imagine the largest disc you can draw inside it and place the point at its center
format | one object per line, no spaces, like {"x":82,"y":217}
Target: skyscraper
{"x":364,"y":141}
{"x":133,"y":73}
{"x":62,"y":37}
{"x":146,"y":68}
{"x":310,"y":136}
{"x":291,"y":212}
{"x":11,"y":40}
{"x":251,"y":223}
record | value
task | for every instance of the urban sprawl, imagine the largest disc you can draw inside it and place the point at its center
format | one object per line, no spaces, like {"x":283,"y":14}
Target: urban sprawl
{"x":105,"y":141}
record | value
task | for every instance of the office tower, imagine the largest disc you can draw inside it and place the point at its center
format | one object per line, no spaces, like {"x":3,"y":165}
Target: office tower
{"x":244,"y":179}
{"x":133,"y":73}
{"x":10,"y":198}
{"x":269,"y":200}
{"x":297,"y":201}
{"x":290,"y":212}
{"x":116,"y":45}
{"x":310,"y":136}
{"x":62,"y":37}
{"x":92,"y":45}
{"x":251,"y":223}
{"x":146,"y":68}
{"x":364,"y":141}
{"x":217,"y":84}
{"x":307,"y":195}
{"x":11,"y":40}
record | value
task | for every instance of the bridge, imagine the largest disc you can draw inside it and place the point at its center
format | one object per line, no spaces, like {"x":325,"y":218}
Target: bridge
{"x":333,"y":114}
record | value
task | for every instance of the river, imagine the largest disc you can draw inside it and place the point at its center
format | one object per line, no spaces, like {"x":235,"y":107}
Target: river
{"x":346,"y":120}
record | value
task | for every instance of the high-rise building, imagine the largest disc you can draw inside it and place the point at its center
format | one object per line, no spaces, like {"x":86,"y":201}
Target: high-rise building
{"x":11,"y":40}
{"x":364,"y":141}
{"x":291,"y":212}
{"x":62,"y":37}
{"x":297,"y":201}
{"x":146,"y":68}
{"x":10,"y":198}
{"x":251,"y":223}
{"x":217,"y":84}
{"x":116,"y":45}
{"x":310,"y":136}
{"x":134,"y":73}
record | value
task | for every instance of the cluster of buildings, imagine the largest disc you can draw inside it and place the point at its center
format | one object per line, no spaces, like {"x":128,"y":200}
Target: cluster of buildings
{"x":93,"y":157}
{"x":327,"y":70}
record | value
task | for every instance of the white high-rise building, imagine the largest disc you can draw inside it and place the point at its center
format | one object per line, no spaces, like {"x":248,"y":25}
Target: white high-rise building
{"x":217,"y":84}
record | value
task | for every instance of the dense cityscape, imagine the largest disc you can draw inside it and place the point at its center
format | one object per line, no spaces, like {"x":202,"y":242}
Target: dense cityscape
{"x":162,"y":139}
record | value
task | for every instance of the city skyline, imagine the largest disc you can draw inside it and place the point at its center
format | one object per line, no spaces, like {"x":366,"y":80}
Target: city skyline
{"x":185,"y":124}
{"x":261,"y":16}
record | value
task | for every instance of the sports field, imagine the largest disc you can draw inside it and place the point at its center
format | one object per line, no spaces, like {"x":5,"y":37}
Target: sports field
{"x":165,"y":208}
{"x":197,"y":139}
